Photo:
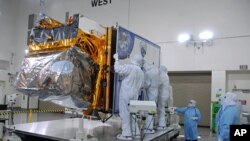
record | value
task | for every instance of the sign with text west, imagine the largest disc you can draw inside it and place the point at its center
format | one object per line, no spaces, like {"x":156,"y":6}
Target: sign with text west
{"x":96,"y":3}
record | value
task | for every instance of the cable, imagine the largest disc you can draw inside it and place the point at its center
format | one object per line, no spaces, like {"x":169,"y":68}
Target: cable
{"x":42,"y":6}
{"x":148,"y":126}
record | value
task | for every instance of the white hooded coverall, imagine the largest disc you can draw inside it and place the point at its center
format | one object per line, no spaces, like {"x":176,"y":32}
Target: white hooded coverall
{"x":163,"y":96}
{"x":151,"y":85}
{"x":133,"y":78}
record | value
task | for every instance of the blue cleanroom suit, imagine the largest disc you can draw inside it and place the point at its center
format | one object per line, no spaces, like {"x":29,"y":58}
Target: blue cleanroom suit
{"x":228,"y":114}
{"x":191,"y":118}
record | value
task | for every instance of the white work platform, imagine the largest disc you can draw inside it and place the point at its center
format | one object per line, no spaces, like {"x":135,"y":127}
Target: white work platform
{"x":65,"y":129}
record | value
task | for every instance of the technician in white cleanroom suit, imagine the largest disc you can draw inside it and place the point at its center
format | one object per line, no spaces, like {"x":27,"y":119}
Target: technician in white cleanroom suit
{"x":163,"y":97}
{"x":151,"y":85}
{"x":133,"y":79}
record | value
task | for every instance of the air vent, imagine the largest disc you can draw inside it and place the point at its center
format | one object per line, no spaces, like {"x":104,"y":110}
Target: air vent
{"x":243,"y":67}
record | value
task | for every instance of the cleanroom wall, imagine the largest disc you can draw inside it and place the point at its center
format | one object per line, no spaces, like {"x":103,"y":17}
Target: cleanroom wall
{"x":8,"y":31}
{"x":163,"y":20}
{"x":159,"y":21}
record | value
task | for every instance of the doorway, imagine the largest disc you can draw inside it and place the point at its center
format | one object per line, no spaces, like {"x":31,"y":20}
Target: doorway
{"x":192,"y":85}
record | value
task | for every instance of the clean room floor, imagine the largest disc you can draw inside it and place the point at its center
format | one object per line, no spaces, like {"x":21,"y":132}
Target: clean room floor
{"x":204,"y":133}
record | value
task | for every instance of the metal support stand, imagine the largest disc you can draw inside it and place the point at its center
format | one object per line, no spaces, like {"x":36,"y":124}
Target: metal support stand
{"x":247,"y":115}
{"x":141,"y":123}
{"x":10,"y":136}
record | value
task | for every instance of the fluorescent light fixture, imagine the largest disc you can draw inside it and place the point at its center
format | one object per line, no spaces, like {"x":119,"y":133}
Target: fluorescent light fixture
{"x":206,"y":35}
{"x":183,"y":37}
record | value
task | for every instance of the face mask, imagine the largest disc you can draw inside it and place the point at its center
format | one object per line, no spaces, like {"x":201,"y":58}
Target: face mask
{"x":190,"y":104}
